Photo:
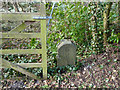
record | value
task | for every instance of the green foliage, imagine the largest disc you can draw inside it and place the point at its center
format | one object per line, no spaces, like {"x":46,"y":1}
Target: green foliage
{"x":114,"y":37}
{"x":113,"y":32}
{"x":33,"y":43}
{"x":52,"y":71}
{"x":69,"y":21}
{"x":45,"y":86}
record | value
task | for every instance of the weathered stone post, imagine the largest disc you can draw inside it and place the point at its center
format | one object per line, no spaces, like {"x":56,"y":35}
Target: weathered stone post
{"x":66,"y":53}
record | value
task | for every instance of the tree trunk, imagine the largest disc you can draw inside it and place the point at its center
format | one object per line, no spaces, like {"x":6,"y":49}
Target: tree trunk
{"x":119,"y":15}
{"x":118,"y":22}
{"x":106,"y":21}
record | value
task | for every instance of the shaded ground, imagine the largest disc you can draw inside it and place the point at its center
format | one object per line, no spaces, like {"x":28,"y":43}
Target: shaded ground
{"x":98,"y":71}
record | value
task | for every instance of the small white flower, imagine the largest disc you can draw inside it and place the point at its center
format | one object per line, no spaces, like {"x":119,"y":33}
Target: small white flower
{"x":113,"y":77}
{"x":83,"y":72}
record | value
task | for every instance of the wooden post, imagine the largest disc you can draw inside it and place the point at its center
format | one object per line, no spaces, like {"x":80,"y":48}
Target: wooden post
{"x":106,"y":22}
{"x":43,"y":41}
